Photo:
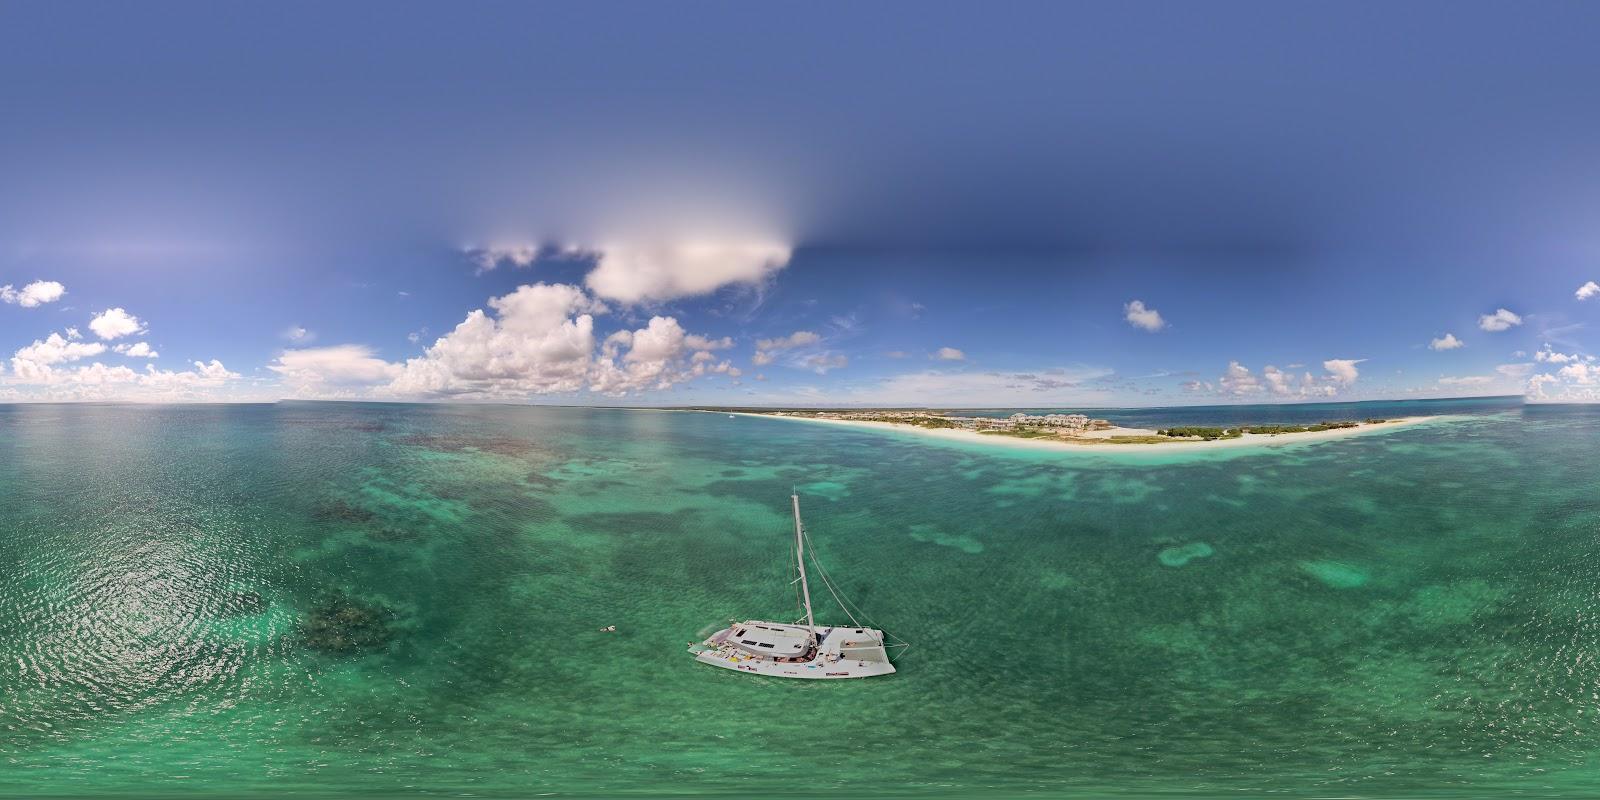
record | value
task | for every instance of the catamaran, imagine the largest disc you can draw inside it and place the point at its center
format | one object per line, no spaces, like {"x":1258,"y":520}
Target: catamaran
{"x":793,"y":650}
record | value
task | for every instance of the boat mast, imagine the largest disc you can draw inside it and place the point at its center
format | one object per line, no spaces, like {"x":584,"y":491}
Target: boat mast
{"x":800,"y":560}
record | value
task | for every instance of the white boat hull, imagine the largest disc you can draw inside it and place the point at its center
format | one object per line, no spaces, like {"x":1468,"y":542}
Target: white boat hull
{"x":843,"y":653}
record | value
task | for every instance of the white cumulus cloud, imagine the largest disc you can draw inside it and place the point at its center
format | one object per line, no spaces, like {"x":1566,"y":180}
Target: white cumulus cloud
{"x":1573,"y":383}
{"x":1500,"y":320}
{"x":1287,"y":384}
{"x":537,"y":340}
{"x":1446,"y":342}
{"x":1239,"y":381}
{"x":53,"y":349}
{"x":651,"y":273}
{"x":1588,"y":290}
{"x":517,"y":255}
{"x":1142,"y":317}
{"x":1343,"y":369}
{"x":1577,"y":381}
{"x":540,"y":341}
{"x":33,"y":295}
{"x":137,"y":350}
{"x":658,"y":357}
{"x":100,"y":382}
{"x":1581,"y":373}
{"x":115,"y":323}
{"x":1550,"y":356}
{"x":949,"y":354}
{"x":207,"y":371}
{"x":345,"y":365}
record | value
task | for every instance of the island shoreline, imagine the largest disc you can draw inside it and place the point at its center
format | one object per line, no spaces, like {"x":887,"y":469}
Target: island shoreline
{"x":1096,"y":445}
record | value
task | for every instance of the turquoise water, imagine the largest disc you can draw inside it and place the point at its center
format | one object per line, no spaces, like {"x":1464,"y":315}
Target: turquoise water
{"x":385,"y":599}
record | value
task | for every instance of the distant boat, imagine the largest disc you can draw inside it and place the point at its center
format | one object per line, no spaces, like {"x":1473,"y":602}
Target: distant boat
{"x":793,"y":650}
{"x":730,"y":416}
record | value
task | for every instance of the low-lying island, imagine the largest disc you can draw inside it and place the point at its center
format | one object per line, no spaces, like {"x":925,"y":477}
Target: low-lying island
{"x":1075,"y":431}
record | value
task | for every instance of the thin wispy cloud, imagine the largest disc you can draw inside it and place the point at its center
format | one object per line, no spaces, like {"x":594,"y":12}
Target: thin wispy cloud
{"x":767,"y":349}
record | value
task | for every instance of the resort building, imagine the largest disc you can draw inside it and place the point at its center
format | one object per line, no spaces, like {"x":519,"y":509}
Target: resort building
{"x":1070,"y":421}
{"x":1063,"y":423}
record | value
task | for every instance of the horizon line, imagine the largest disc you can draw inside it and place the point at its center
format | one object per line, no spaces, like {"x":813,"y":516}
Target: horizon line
{"x":766,"y":406}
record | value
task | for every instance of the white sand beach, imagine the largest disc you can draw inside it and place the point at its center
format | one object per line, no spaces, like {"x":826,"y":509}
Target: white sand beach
{"x":1095,"y":441}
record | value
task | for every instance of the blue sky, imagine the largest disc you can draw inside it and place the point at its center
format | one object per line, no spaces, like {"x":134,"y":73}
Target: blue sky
{"x":725,"y":203}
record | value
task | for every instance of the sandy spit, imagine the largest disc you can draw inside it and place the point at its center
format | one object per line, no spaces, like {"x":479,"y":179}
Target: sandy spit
{"x":1087,"y":444}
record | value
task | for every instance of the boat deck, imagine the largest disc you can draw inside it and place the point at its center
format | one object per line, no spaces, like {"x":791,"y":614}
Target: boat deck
{"x":842,"y":653}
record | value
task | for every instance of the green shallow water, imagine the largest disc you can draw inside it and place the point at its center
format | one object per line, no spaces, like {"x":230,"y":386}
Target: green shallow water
{"x":340,"y":599}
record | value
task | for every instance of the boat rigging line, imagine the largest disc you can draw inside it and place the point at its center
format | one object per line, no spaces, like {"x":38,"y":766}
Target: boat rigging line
{"x":850,"y":609}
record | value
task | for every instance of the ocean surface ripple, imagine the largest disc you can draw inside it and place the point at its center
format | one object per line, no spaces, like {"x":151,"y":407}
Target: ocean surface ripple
{"x":339,"y":598}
